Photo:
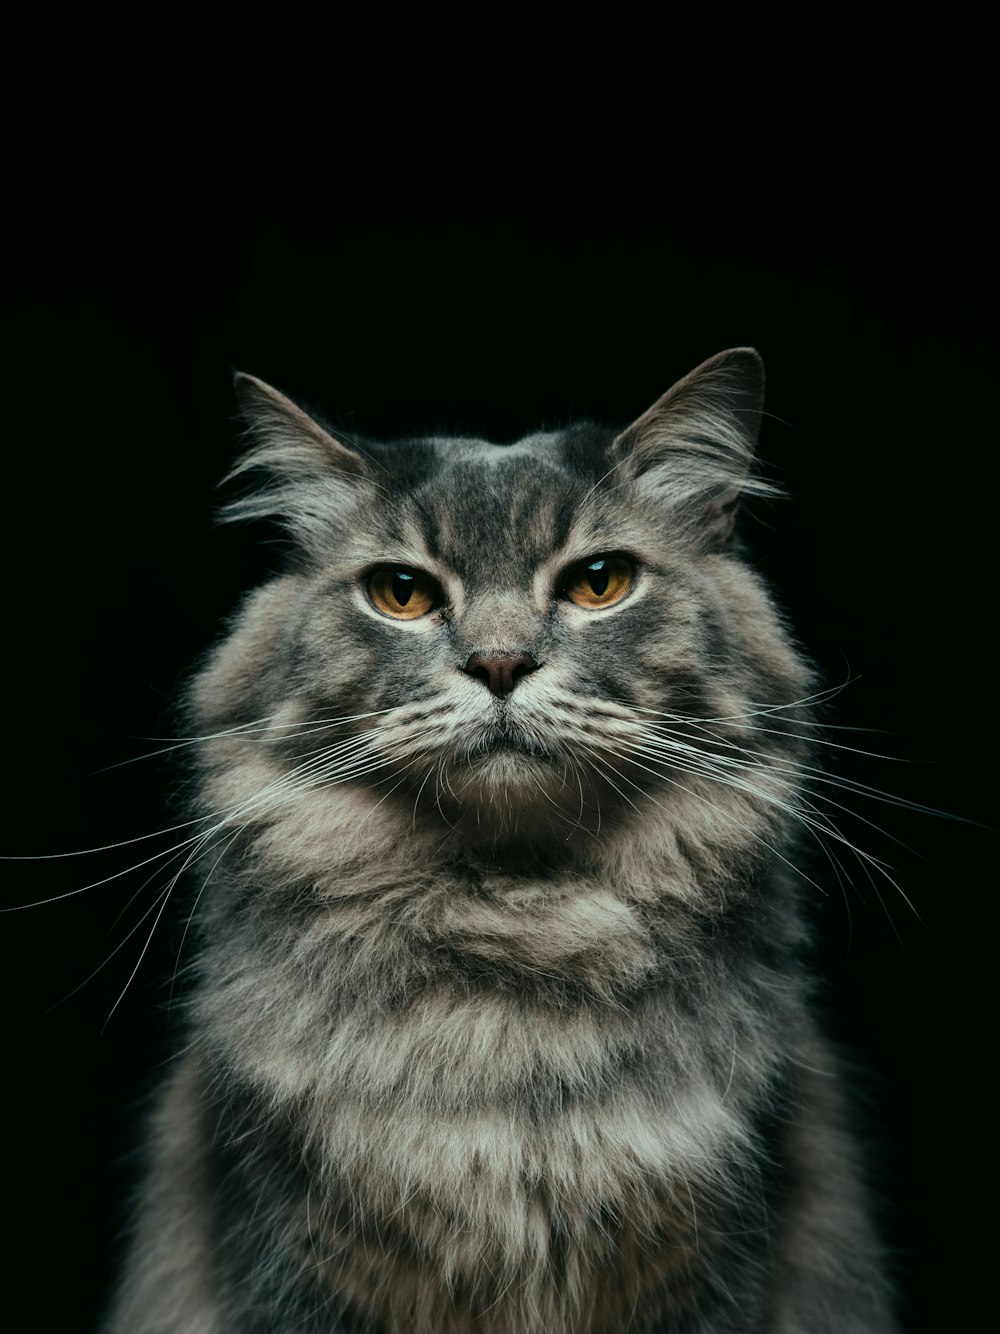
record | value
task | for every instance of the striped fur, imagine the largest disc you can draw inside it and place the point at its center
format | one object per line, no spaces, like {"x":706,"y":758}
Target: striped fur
{"x":502,"y":1016}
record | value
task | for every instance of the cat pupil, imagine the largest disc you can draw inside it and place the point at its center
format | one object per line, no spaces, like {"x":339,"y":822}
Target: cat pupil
{"x":597,"y":576}
{"x":402,"y":587}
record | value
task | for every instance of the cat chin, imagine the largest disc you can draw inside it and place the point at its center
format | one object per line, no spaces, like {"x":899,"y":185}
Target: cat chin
{"x":514,"y":746}
{"x":513,"y":792}
{"x":507,"y":770}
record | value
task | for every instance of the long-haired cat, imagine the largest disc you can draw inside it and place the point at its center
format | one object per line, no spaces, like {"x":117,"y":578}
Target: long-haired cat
{"x":501,"y":1019}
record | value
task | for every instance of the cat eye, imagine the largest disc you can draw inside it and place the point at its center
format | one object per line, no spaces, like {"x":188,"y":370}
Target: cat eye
{"x":401,"y":593}
{"x":600,"y":581}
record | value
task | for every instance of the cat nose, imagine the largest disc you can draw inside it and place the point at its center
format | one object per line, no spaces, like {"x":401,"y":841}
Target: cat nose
{"x":500,"y":671}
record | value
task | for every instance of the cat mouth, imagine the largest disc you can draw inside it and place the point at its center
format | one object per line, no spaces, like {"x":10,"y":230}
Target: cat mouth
{"x":508,"y":741}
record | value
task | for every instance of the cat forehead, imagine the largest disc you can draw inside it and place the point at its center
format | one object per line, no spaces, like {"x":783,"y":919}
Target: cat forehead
{"x":443,"y":461}
{"x":540,"y":446}
{"x":484,"y":508}
{"x":513,"y":502}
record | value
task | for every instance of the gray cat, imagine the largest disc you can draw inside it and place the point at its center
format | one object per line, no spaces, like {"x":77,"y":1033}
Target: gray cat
{"x":502,"y":1018}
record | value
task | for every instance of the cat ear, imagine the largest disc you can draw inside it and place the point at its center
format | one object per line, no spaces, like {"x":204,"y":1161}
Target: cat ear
{"x":310,"y":472}
{"x":286,"y":438}
{"x":697,"y":442}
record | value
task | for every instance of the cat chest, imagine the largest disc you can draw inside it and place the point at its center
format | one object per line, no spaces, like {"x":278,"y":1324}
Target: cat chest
{"x":500,"y":1212}
{"x":468,"y":1152}
{"x":479,"y":1104}
{"x":511,"y":1131}
{"x":495,"y":1221}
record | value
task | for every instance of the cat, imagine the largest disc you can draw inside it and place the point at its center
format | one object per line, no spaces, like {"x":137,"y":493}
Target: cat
{"x":502,"y":1014}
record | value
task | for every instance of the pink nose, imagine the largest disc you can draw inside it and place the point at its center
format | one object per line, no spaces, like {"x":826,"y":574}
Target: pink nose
{"x":500,"y":671}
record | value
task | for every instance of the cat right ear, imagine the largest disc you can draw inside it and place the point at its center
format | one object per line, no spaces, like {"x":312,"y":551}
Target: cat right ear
{"x":695,"y":446}
{"x":309,"y":473}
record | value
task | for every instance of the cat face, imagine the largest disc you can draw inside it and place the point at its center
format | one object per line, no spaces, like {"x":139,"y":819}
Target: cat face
{"x":491,"y":632}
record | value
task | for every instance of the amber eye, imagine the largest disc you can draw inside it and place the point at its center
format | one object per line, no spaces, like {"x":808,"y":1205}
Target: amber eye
{"x":404,"y":594}
{"x":600,"y":582}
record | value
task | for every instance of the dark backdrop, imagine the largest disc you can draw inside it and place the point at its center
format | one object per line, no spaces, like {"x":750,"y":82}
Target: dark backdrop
{"x":121,"y":330}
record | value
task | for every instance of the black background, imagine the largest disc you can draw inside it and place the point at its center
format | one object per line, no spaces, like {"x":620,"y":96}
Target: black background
{"x":128,"y":307}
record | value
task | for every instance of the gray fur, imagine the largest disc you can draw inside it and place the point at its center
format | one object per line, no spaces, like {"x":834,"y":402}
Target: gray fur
{"x":502,"y":1016}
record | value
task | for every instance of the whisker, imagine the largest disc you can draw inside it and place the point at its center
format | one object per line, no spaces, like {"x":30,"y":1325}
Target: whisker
{"x":258,"y":726}
{"x":802,"y":810}
{"x":728,"y":815}
{"x":121,"y":944}
{"x":164,"y":900}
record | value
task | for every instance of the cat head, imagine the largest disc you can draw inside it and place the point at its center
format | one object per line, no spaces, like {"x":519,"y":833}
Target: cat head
{"x":489,"y":631}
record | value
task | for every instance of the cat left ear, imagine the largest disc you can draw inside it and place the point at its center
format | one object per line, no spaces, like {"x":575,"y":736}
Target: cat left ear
{"x":285,"y":436}
{"x":698,"y":441}
{"x":309,"y":475}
